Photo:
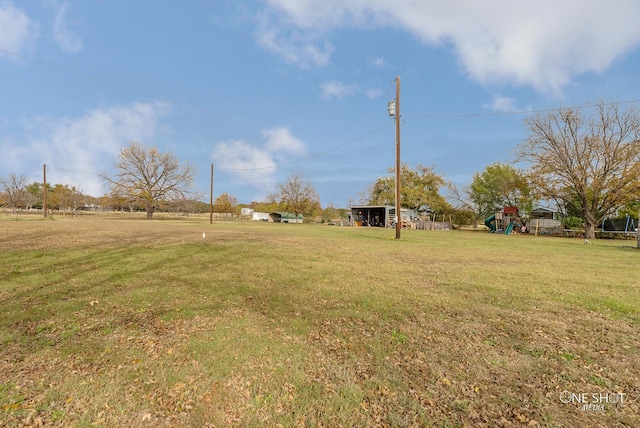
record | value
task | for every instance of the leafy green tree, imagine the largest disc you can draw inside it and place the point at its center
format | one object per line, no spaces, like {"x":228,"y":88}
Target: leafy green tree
{"x":269,"y":205}
{"x":461,"y":217}
{"x":500,"y":185}
{"x":36,"y":193}
{"x":332,"y":213}
{"x":419,"y":189}
{"x":630,"y":209}
{"x":592,"y":157}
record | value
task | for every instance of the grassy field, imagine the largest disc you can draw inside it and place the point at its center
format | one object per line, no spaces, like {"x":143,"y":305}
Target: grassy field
{"x":120,"y":323}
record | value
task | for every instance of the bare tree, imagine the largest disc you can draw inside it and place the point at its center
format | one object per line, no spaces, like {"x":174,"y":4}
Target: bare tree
{"x":298,"y":196}
{"x":186,"y":205}
{"x":76,"y":199}
{"x":150,"y":176}
{"x":15,"y":190}
{"x":463,"y":202}
{"x":593,"y":162}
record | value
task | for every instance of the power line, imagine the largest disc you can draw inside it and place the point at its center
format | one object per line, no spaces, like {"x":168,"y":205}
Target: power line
{"x":316,"y":155}
{"x":334,"y":148}
{"x":514,"y":113}
{"x":72,"y":171}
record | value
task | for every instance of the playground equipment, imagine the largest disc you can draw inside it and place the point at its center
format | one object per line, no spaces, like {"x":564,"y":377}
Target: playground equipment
{"x":618,"y":228}
{"x":504,"y":221}
{"x":616,"y":225}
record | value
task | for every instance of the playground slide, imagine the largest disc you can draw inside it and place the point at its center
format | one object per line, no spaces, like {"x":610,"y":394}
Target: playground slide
{"x":489,"y":223}
{"x":509,"y":229}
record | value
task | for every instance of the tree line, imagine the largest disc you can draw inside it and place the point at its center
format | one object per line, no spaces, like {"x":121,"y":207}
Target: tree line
{"x":584,"y":161}
{"x":17,"y":193}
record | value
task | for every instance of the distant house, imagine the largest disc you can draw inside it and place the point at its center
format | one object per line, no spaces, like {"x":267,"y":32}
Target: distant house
{"x":544,"y":212}
{"x":284,"y":217}
{"x":545,"y":221}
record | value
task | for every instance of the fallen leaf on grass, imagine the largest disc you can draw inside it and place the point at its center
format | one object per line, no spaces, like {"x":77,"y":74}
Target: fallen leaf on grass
{"x":445,"y":381}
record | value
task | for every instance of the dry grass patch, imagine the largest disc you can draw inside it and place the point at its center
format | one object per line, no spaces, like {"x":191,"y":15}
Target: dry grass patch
{"x":121,"y":323}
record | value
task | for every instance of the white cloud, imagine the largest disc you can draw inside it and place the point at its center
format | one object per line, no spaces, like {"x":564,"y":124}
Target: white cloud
{"x":247,"y":163}
{"x":76,"y":150}
{"x":338,"y":90}
{"x":377,"y":62}
{"x":294,"y":47}
{"x":68,"y":41}
{"x":543,"y":44}
{"x":321,"y":14}
{"x":335,"y":89}
{"x":256,"y":164}
{"x":281,"y":139}
{"x":503,"y":104}
{"x":373,"y":94}
{"x":17,"y":31}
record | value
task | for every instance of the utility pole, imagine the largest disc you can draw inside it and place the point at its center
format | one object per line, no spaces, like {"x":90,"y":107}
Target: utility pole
{"x":44,"y":190}
{"x":397,"y":117}
{"x":211,"y":198}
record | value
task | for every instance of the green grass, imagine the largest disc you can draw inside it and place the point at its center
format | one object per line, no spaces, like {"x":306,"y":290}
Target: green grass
{"x":126,"y":322}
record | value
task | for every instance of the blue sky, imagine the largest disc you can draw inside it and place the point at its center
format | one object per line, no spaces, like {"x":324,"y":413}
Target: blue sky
{"x":267,"y":88}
